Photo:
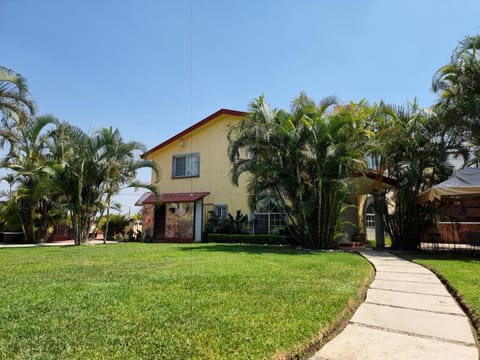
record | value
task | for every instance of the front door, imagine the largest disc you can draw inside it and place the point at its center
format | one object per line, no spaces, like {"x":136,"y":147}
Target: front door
{"x":159,"y":225}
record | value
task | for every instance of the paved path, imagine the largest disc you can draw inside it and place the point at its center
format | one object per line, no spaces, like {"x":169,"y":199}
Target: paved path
{"x":408,"y":314}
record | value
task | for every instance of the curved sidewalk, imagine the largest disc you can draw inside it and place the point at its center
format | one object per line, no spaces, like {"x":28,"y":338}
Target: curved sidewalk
{"x":408,"y":314}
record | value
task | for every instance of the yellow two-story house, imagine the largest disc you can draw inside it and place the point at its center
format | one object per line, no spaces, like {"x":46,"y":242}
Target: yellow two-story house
{"x":195,"y":179}
{"x":195,"y":182}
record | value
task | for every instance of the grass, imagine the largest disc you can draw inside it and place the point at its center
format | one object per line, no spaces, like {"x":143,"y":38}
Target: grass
{"x":372,"y":243}
{"x":462,"y":275}
{"x":170,"y":301}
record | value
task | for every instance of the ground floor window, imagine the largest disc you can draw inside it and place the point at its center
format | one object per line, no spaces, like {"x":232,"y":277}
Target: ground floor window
{"x":221,"y":211}
{"x":268,"y":217}
{"x":370,"y":220}
{"x":268,"y":223}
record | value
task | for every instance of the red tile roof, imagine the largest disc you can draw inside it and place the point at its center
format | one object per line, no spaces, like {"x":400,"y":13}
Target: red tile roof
{"x":193,"y":127}
{"x":372,"y":174}
{"x":150,"y":198}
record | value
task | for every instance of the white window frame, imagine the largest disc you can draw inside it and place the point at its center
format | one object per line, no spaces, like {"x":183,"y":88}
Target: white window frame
{"x":223,"y":211}
{"x":190,"y":169}
{"x":272,"y":221}
{"x":370,"y":220}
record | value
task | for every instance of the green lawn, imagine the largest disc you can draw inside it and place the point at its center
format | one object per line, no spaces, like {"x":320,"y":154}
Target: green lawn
{"x":462,"y":274}
{"x":170,"y":301}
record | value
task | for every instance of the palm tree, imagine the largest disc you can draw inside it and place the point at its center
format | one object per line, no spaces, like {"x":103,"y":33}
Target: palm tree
{"x":258,"y":146}
{"x":301,"y":158}
{"x":61,"y":171}
{"x":29,"y":161}
{"x":14,"y":97}
{"x":10,"y":179}
{"x":337,"y":147}
{"x":76,"y":178}
{"x":90,"y":170}
{"x":413,"y":145}
{"x":458,"y":87}
{"x":117,"y":159}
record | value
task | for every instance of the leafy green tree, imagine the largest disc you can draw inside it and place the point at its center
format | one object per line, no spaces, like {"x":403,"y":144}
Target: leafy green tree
{"x":89,"y":170}
{"x":117,"y":160}
{"x":458,"y":87}
{"x":76,"y":180}
{"x":9,"y":210}
{"x":411,"y":146}
{"x":58,"y":170}
{"x":10,"y":179}
{"x":28,"y":159}
{"x":117,"y":223}
{"x":15,"y":104}
{"x":302,"y":158}
{"x":337,"y":143}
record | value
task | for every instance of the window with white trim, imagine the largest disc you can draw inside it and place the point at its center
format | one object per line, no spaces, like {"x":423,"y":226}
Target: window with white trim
{"x":186,"y":165}
{"x":268,"y":216}
{"x":221,"y":211}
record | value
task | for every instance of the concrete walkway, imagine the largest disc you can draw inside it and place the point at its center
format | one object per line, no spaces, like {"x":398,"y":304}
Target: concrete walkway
{"x":408,"y":314}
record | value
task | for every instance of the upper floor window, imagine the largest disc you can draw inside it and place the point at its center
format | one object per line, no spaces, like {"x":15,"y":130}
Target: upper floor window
{"x":186,"y":165}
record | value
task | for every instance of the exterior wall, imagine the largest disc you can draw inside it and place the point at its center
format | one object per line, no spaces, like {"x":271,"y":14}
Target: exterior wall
{"x":179,"y":221}
{"x":210,"y":141}
{"x":458,"y":232}
{"x":148,"y":214}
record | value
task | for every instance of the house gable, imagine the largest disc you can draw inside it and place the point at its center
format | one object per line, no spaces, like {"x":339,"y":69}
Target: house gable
{"x":194,"y":127}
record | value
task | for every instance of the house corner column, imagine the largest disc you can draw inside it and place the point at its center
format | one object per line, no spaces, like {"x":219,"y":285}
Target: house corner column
{"x":379,"y":200}
{"x":198,"y":221}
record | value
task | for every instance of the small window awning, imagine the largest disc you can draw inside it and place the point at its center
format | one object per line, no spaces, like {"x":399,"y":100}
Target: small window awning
{"x":151,"y":198}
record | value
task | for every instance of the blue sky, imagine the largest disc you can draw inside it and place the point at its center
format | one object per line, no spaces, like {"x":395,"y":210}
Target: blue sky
{"x":153,"y":67}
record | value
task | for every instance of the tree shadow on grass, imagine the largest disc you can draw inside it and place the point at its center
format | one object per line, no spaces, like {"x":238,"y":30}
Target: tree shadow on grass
{"x":247,"y":248}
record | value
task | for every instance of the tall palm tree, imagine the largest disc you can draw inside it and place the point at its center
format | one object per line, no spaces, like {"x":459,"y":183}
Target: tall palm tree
{"x":90,"y":170}
{"x":301,"y":157}
{"x":458,"y":87}
{"x":414,"y":149}
{"x":10,"y":179}
{"x":76,"y":178}
{"x":29,"y":160}
{"x":15,"y":103}
{"x":259,"y":148}
{"x":120,"y":165}
{"x":337,"y":145}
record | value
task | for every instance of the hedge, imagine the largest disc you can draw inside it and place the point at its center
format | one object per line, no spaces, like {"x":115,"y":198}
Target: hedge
{"x":262,"y":239}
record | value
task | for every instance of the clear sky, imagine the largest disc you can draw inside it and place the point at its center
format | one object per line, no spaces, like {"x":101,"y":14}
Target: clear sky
{"x":154,"y":67}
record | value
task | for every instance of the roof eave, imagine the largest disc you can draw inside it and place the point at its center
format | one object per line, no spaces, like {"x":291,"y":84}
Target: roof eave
{"x":193,"y":127}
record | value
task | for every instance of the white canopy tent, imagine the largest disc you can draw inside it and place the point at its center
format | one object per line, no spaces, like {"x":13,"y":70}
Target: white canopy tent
{"x":464,"y":183}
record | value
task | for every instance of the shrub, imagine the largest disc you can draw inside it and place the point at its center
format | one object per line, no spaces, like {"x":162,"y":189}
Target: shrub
{"x":116,"y":225}
{"x":230,"y":225}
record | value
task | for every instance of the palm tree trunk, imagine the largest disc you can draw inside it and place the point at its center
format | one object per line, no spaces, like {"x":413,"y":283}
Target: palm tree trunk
{"x":79,"y":226}
{"x":319,"y":210}
{"x":107,"y":223}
